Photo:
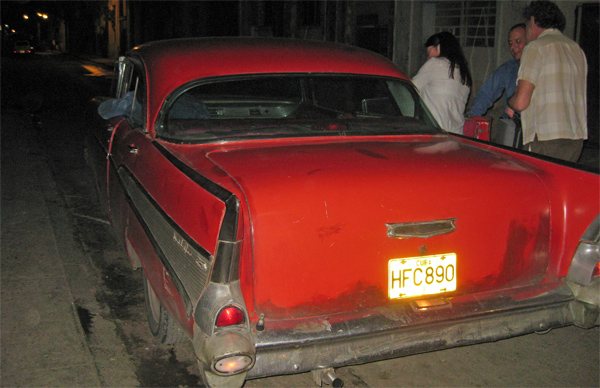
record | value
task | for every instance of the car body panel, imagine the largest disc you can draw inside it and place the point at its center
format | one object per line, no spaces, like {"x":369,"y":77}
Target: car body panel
{"x":315,"y":260}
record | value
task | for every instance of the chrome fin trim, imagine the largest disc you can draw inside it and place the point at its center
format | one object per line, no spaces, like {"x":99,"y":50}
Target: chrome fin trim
{"x":424,"y":229}
{"x":225,"y":267}
{"x":188,"y":264}
{"x":587,"y":255}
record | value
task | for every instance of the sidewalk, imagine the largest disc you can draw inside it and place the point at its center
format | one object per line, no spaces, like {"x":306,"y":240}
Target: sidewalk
{"x":43,"y":343}
{"x":48,"y":285}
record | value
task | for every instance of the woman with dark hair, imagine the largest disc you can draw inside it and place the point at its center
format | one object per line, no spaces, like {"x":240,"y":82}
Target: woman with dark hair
{"x":444,"y":81}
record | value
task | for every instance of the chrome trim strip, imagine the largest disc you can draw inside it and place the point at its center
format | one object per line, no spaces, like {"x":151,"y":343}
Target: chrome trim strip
{"x":424,"y":229}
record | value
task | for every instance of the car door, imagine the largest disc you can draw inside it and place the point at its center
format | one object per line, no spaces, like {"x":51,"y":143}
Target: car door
{"x":137,"y":176}
{"x":122,"y":150}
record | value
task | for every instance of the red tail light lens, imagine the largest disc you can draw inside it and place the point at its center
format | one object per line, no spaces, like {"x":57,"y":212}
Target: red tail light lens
{"x":596,"y":270}
{"x":230,"y":316}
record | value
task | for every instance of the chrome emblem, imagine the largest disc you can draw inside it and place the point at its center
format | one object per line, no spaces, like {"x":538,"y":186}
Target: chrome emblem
{"x":423,"y":229}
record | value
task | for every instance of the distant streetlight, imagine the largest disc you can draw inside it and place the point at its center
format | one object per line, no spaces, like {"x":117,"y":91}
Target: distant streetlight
{"x":26,"y":17}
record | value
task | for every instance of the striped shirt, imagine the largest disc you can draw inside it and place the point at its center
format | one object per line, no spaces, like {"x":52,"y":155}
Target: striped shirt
{"x":557,"y":67}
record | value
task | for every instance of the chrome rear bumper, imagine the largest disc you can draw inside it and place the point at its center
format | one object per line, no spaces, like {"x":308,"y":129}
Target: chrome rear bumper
{"x":285,"y":347}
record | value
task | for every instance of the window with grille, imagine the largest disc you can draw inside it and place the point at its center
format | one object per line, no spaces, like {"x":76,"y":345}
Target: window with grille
{"x":472,"y":22}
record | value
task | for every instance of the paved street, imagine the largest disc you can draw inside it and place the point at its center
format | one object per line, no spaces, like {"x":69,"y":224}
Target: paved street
{"x":72,"y":311}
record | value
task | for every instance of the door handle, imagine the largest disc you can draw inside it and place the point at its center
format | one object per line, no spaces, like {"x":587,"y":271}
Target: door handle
{"x":133,"y":149}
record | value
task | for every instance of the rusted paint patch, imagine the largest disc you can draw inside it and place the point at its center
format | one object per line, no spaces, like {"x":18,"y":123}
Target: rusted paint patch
{"x":397,"y":315}
{"x":358,"y":298}
{"x":313,"y":327}
{"x":327,"y":231}
{"x":525,"y":260}
{"x":526,"y":256}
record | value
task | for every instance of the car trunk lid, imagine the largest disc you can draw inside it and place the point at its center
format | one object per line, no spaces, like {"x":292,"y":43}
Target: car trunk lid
{"x":321,"y":214}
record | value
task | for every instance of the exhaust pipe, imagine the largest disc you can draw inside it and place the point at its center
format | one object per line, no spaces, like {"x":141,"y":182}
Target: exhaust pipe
{"x":327,"y":376}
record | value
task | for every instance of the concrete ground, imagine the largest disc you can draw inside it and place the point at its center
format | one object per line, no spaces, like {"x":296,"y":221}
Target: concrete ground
{"x":43,"y":341}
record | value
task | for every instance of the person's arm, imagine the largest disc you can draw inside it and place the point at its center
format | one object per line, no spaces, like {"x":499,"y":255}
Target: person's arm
{"x":424,"y":75}
{"x":529,"y":71}
{"x":489,"y":92}
{"x":522,"y":97}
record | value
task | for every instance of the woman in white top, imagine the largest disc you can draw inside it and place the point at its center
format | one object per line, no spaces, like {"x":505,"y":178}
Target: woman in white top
{"x":444,"y":81}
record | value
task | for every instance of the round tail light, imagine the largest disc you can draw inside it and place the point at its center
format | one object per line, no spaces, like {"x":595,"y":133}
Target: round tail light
{"x":230,"y":316}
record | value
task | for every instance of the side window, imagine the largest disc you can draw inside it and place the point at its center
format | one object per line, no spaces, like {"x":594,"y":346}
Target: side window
{"x":132,"y":90}
{"x":406,"y":102}
{"x":137,"y":86}
{"x":129,"y":95}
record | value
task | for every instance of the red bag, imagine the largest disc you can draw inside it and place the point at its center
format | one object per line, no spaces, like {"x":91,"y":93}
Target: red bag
{"x":478,"y":127}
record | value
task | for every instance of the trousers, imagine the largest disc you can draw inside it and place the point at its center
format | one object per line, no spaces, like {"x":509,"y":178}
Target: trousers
{"x":565,"y":149}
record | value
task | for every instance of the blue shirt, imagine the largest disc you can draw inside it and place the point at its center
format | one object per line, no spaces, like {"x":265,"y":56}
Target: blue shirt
{"x":504,"y":80}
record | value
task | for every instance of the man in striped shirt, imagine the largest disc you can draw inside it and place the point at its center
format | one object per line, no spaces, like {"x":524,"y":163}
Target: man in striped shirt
{"x":551,"y":86}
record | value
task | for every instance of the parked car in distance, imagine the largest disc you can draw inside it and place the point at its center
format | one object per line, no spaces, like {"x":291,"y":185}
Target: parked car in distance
{"x":293,"y":207}
{"x":23,"y":47}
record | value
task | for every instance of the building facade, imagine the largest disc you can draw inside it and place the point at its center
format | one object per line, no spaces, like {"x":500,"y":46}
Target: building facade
{"x":395,"y":29}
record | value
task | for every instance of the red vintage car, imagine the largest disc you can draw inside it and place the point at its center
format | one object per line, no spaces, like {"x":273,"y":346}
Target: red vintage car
{"x":293,"y":207}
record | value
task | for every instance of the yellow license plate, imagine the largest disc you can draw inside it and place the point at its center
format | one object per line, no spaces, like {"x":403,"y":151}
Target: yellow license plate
{"x":422,"y":275}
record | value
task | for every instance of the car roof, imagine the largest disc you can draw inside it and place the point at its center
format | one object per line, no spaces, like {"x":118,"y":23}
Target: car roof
{"x":171,"y":63}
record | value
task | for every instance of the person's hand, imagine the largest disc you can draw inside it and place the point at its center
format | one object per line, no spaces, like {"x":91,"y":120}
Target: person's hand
{"x":510,"y":112}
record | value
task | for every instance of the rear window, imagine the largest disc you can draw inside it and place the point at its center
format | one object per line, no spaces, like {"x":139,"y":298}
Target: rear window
{"x":293,"y":105}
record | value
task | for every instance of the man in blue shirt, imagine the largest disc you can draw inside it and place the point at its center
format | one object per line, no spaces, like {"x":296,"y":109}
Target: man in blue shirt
{"x":504,"y":78}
